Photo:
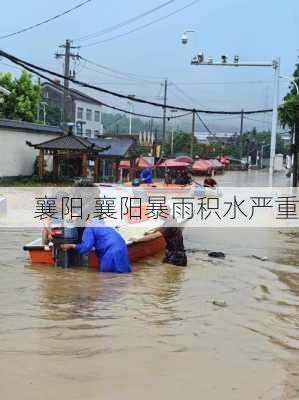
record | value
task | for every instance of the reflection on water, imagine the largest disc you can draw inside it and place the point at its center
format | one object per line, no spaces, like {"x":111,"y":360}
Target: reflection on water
{"x":155,"y":333}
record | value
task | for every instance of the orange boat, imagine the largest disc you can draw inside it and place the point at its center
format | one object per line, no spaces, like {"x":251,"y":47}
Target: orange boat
{"x":141,"y":234}
{"x":146,"y":247}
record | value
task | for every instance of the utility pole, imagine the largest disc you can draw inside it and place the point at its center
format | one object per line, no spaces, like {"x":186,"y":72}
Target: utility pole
{"x":276,"y":66}
{"x":193,"y":134}
{"x":164,"y":116}
{"x":67,"y":55}
{"x":131,"y":109}
{"x":241,"y":134}
{"x":199,"y":60}
{"x":38,"y":103}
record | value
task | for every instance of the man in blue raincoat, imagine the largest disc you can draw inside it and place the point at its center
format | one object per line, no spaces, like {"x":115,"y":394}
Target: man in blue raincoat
{"x":146,"y":176}
{"x":110,"y":247}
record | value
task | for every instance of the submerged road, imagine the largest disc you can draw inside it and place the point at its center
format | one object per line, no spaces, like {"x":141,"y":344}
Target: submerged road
{"x":156,"y":333}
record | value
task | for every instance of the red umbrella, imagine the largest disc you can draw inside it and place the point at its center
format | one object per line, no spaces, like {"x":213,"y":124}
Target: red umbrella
{"x":216,"y":164}
{"x":125,"y":164}
{"x":185,"y":159}
{"x":224,"y":161}
{"x":141,"y":163}
{"x":203,"y":166}
{"x":173,"y":164}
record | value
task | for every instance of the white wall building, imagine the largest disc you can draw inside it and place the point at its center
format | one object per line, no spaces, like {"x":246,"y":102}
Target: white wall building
{"x":85,"y":112}
{"x":16,"y":157}
{"x":88,"y":119}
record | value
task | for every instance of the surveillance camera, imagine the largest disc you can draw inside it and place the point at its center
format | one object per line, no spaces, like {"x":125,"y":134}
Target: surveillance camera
{"x":194,"y":60}
{"x":236,"y":59}
{"x":200,"y":57}
{"x":184,"y":38}
{"x":224,"y":59}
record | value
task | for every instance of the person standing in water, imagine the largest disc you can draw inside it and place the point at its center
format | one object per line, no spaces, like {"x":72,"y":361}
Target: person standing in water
{"x":146,"y":176}
{"x":173,"y":234}
{"x":110,"y":247}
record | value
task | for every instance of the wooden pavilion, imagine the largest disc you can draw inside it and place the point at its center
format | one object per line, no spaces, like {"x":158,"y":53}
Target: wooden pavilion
{"x":79,"y":151}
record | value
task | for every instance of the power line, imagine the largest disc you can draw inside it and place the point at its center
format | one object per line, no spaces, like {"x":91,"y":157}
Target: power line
{"x":28,"y":28}
{"x":223,"y":83}
{"x":34,"y":68}
{"x":205,"y":125}
{"x":11,"y":66}
{"x":141,"y":78}
{"x":260,"y":121}
{"x":101,"y":103}
{"x":190,"y":99}
{"x":124,"y":23}
{"x":138,"y":28}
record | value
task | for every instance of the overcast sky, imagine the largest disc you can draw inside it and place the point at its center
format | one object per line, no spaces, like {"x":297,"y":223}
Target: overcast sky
{"x":256,"y":30}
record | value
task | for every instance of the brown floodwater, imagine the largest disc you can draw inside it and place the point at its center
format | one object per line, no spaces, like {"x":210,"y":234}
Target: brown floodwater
{"x":77,"y":334}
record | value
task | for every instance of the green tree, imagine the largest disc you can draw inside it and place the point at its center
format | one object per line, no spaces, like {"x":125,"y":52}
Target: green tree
{"x":21,"y":104}
{"x":289,"y":117}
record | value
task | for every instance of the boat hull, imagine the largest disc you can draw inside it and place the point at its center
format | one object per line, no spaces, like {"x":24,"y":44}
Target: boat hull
{"x":147,"y":247}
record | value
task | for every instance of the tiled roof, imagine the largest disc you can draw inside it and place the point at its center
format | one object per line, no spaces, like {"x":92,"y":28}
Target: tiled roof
{"x":68,"y":142}
{"x":74,"y":93}
{"x":29,"y":126}
{"x":119,"y":147}
{"x":108,"y":147}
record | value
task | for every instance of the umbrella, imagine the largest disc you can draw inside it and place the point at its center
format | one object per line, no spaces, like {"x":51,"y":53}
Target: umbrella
{"x":141,"y":163}
{"x":224,"y":160}
{"x":202,"y":166}
{"x":216,"y":164}
{"x":185,"y":159}
{"x":173,"y":164}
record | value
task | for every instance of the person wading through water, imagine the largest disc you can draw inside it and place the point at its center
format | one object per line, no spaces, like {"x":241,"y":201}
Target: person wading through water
{"x":173,"y":234}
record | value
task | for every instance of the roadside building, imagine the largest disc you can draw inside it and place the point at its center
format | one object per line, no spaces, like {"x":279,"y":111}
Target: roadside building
{"x":98,"y":158}
{"x":82,"y":110}
{"x":16,"y":158}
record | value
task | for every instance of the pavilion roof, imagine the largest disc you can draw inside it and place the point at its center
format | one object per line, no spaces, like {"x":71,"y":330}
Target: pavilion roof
{"x":71,"y":143}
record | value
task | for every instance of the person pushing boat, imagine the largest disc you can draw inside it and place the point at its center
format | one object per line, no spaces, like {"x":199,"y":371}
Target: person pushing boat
{"x":110,"y":247}
{"x":146,"y":176}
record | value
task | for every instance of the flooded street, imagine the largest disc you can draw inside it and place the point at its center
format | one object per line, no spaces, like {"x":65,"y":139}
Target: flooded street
{"x":77,"y":334}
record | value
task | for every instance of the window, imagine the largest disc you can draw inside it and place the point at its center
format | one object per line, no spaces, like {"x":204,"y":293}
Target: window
{"x":88,"y":132}
{"x":79,"y":129}
{"x":89,"y":114}
{"x":96,"y":133}
{"x":80,"y":113}
{"x":97,"y":116}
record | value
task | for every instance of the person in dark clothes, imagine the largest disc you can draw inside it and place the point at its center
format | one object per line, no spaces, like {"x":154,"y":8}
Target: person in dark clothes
{"x":167,"y":177}
{"x":173,"y":234}
{"x":210,"y":182}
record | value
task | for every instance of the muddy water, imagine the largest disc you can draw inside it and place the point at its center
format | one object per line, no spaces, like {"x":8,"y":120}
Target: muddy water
{"x":156,"y":333}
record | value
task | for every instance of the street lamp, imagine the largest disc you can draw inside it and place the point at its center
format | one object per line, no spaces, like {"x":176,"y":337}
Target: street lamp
{"x":184,"y":37}
{"x":291,"y":81}
{"x":275,"y":64}
{"x":4,"y":91}
{"x":131,"y":109}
